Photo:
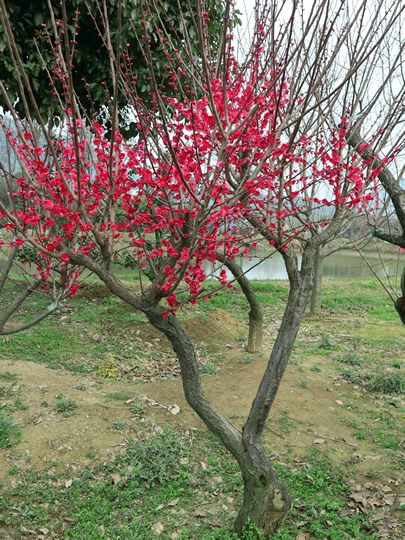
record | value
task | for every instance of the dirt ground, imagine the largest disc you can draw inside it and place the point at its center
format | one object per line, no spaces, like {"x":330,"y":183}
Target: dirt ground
{"x":301,"y":417}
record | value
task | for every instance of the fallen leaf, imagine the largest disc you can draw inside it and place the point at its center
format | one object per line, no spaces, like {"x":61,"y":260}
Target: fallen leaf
{"x":386,"y":489}
{"x":389,"y":499}
{"x":44,"y":530}
{"x":174,"y":409}
{"x":372,"y":501}
{"x":319,"y":441}
{"x":24,"y":529}
{"x":199,"y":513}
{"x":160,"y":507}
{"x":116,"y":477}
{"x":173,"y":502}
{"x":359,"y":499}
{"x":338,"y":402}
{"x":302,"y":536}
{"x":158,"y":528}
{"x":378,"y":516}
{"x":68,"y":483}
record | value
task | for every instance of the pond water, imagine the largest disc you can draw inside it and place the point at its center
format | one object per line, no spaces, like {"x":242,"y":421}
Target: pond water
{"x":340,"y":265}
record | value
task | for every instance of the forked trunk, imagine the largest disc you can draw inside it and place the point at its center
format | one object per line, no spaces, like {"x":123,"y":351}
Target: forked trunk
{"x":266,"y":500}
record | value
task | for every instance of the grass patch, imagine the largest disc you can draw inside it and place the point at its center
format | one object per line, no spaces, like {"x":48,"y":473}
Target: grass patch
{"x":392,"y":383}
{"x":154,"y":479}
{"x":10,"y":433}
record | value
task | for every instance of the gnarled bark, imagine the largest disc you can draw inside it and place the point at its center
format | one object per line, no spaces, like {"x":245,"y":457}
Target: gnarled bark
{"x":266,"y":500}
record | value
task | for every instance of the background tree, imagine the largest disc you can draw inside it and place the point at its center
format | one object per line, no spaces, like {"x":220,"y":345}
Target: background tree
{"x":227,"y":147}
{"x":93,"y":27}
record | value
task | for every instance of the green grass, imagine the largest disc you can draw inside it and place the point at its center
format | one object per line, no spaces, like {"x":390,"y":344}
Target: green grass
{"x":10,"y":433}
{"x":153,"y":479}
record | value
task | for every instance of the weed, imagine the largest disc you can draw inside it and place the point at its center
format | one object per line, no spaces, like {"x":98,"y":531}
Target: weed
{"x":352,"y":375}
{"x":285,"y":425}
{"x":108,"y":367}
{"x":303,"y":384}
{"x":315,"y":367}
{"x":326,"y":342}
{"x":119,"y":424}
{"x":138,"y":408}
{"x":396,"y":364}
{"x":392,"y":383}
{"x":156,"y":459}
{"x":9,"y":377}
{"x":234,"y":415}
{"x":19,"y":404}
{"x":247,"y":359}
{"x":117,"y":396}
{"x":64,"y":404}
{"x":352,"y":359}
{"x":13,"y":470}
{"x":44,"y":404}
{"x":81,"y":386}
{"x":360,"y":435}
{"x":10,"y":433}
{"x":208,"y":368}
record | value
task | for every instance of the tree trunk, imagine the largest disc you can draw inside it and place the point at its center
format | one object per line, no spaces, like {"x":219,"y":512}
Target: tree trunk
{"x":255,"y":338}
{"x":316,"y":297}
{"x":400,"y":302}
{"x":266,"y":501}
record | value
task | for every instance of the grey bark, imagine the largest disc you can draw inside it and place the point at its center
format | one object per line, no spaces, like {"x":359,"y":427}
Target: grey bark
{"x":316,"y":295}
{"x":255,"y":337}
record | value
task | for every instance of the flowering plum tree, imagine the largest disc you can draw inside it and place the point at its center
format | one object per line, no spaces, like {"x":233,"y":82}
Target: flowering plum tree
{"x":219,"y":161}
